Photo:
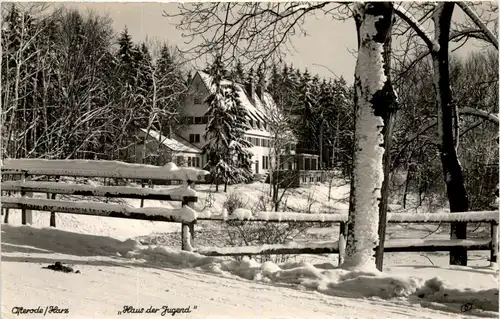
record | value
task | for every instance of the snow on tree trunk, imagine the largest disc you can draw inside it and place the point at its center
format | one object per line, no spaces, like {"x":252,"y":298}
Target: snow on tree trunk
{"x":373,"y":23}
{"x":453,"y":177}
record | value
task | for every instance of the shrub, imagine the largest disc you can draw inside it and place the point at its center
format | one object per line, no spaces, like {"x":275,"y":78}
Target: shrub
{"x":244,"y":233}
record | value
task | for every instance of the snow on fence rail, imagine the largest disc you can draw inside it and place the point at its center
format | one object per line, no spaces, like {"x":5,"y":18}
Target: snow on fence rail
{"x":97,"y":168}
{"x":27,"y":168}
{"x":247,"y":215}
{"x":178,"y":194}
{"x":410,"y":245}
{"x":185,"y":214}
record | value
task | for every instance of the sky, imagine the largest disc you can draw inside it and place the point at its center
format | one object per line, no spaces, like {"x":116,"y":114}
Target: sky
{"x":326,"y":51}
{"x":318,"y":53}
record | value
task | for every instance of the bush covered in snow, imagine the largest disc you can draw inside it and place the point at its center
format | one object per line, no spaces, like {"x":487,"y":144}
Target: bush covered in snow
{"x":243,"y":233}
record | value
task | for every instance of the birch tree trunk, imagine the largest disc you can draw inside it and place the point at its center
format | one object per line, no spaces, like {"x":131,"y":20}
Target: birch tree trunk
{"x":373,"y":24}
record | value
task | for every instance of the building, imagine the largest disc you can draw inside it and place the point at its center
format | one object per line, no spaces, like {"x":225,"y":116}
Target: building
{"x":162,"y":149}
{"x":257,"y":103}
{"x":185,"y":147}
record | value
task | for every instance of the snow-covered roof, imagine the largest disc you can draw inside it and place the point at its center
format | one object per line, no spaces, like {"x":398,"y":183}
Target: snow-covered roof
{"x":256,"y":110}
{"x":175,"y":143}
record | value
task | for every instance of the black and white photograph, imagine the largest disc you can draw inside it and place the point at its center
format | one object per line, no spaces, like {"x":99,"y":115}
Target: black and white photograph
{"x":270,"y":160}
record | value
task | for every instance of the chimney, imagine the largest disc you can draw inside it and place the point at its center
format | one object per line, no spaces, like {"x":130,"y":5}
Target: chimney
{"x":261,"y":89}
{"x":167,"y":131}
{"x":250,"y":86}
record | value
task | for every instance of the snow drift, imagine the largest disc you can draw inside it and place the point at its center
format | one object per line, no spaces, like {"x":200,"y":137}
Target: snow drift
{"x":324,"y":278}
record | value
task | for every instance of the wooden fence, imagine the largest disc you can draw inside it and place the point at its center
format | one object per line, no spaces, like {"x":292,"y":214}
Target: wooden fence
{"x":31,"y":175}
{"x":338,"y":247}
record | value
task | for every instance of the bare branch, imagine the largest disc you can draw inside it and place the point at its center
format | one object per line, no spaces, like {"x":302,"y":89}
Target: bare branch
{"x":475,"y":18}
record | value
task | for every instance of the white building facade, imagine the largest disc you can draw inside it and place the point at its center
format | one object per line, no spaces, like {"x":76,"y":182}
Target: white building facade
{"x":254,"y":99}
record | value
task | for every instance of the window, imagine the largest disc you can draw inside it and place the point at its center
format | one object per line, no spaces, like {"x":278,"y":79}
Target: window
{"x":257,"y":142}
{"x":204,"y":120}
{"x":258,"y":124}
{"x":197,"y":100}
{"x":251,"y":123}
{"x":194,"y":138}
{"x":198,"y":120}
{"x":189,"y":162}
{"x":197,"y":162}
{"x":263,"y":162}
{"x":180,"y":160}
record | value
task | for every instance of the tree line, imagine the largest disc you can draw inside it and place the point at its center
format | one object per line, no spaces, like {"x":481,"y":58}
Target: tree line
{"x":72,"y":88}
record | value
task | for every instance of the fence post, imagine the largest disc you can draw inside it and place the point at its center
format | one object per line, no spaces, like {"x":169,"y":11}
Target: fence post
{"x":142,"y":199}
{"x":26,"y":214}
{"x":187,"y":231}
{"x":52,"y":214}
{"x":342,"y":241}
{"x":494,"y":242}
{"x":53,"y":197}
{"x":6,"y":217}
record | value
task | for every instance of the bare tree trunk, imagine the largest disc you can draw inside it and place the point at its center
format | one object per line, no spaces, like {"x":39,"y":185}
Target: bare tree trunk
{"x":407,"y":184}
{"x":321,"y":146}
{"x":457,"y":195}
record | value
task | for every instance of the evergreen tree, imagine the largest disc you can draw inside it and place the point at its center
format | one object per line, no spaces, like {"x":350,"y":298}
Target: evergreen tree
{"x":189,"y":78}
{"x":275,"y":81}
{"x":219,"y":124}
{"x":171,"y":88}
{"x":126,"y":56}
{"x":237,"y":74}
{"x":304,"y":111}
{"x":240,"y":158}
{"x":226,"y":147}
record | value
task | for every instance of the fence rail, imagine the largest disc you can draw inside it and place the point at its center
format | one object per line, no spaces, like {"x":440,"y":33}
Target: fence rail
{"x":27,"y":170}
{"x":338,"y":247}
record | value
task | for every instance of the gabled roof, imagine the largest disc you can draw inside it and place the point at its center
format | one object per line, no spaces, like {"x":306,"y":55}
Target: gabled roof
{"x":256,"y":110}
{"x":175,"y":143}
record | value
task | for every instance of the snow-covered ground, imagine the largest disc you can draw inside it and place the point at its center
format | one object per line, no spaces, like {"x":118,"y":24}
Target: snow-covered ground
{"x":117,"y":271}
